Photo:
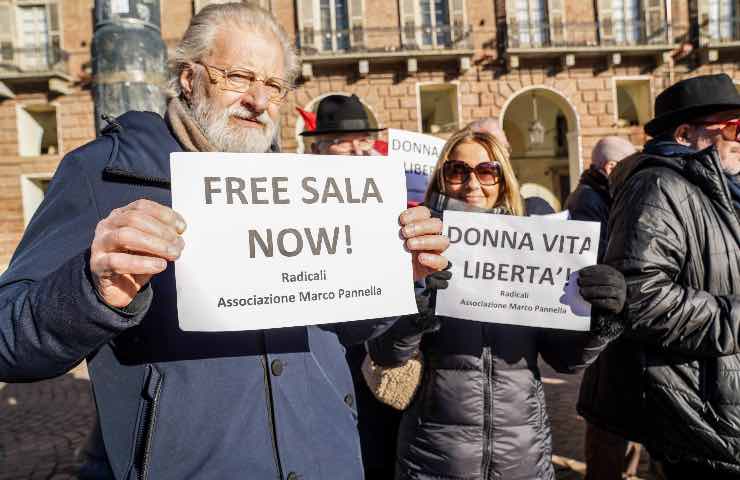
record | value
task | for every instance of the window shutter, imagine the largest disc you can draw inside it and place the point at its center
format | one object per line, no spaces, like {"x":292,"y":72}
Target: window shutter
{"x":512,"y":25}
{"x":6,"y":33}
{"x":655,"y":27}
{"x":707,"y":24}
{"x":306,"y":26}
{"x":556,"y":16}
{"x":457,"y":20}
{"x":408,"y":23}
{"x":55,"y":53}
{"x":356,"y":25}
{"x":53,"y":17}
{"x":606,"y":26}
{"x":5,"y":22}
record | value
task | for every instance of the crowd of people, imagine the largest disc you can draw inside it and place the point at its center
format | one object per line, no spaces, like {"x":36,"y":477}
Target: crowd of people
{"x":93,"y":279}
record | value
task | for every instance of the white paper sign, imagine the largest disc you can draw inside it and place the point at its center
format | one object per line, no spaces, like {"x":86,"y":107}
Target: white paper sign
{"x":562,"y":215}
{"x":278,"y":240}
{"x":419,"y":154}
{"x":518,"y":270}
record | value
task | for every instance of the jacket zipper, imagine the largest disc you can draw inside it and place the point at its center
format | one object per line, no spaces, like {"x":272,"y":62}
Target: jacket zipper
{"x":137,"y":178}
{"x":487,"y":413}
{"x":148,"y":421}
{"x":270,"y":407}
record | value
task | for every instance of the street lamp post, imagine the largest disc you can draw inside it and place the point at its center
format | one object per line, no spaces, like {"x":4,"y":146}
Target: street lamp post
{"x":129,"y":58}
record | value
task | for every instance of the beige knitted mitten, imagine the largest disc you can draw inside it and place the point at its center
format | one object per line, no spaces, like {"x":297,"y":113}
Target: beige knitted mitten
{"x":394,"y":386}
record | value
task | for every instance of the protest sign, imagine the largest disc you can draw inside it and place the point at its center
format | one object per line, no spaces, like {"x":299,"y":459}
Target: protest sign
{"x":419,"y":154}
{"x":278,"y":240}
{"x":518,"y":270}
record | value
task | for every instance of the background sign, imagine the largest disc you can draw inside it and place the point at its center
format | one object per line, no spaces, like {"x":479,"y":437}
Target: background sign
{"x":419,"y":154}
{"x":518,"y":270}
{"x":278,"y":240}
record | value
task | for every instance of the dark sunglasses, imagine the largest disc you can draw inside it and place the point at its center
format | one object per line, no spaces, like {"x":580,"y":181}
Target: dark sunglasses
{"x":457,"y":172}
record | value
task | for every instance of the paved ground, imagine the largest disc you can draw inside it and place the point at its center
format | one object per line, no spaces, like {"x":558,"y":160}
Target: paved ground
{"x":561,"y":392}
{"x":43,"y":427}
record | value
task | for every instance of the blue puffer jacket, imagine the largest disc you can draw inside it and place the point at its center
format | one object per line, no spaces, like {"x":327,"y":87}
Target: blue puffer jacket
{"x":274,"y":404}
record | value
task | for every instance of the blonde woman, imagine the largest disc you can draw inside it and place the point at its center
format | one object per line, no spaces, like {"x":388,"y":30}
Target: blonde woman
{"x":480,"y":412}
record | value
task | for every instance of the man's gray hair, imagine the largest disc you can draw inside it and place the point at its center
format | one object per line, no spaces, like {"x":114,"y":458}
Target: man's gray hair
{"x":198,"y":39}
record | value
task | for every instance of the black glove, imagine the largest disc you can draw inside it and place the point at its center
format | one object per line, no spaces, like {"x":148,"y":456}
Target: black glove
{"x":439,"y":280}
{"x":603,"y":287}
{"x":426,"y":321}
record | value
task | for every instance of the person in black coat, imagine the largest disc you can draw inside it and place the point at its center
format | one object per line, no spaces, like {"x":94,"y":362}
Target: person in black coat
{"x":608,"y":456}
{"x":590,"y":201}
{"x":480,"y":412}
{"x":343,"y":128}
{"x":672,"y":381}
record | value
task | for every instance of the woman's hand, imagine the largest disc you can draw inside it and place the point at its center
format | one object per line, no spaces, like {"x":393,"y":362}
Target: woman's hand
{"x":424,"y":239}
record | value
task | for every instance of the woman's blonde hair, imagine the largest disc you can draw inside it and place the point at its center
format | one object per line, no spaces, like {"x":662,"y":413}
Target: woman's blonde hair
{"x":509,"y":195}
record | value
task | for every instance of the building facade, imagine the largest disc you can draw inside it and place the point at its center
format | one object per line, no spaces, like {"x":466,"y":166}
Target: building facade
{"x":559,"y":75}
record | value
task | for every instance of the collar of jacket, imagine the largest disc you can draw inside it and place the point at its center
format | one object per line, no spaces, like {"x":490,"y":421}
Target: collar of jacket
{"x":142,"y":144}
{"x":702,"y":168}
{"x":667,"y":147}
{"x":597,"y":180}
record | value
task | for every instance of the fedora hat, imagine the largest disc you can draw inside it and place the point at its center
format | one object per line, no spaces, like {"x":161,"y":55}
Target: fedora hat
{"x":691,"y":99}
{"x":340,"y":114}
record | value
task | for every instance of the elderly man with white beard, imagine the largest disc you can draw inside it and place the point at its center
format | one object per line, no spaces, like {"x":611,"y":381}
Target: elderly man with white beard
{"x":93,"y":279}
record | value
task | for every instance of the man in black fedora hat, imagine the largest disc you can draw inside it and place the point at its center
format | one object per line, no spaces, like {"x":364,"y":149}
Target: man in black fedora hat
{"x":342,"y":128}
{"x":672,"y":381}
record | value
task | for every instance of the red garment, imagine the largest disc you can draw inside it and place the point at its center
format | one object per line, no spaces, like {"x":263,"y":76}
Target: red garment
{"x":381,"y":146}
{"x":309,"y":119}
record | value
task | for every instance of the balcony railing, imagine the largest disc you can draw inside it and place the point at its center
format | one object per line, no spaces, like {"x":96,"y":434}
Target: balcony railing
{"x":384,"y":40}
{"x":590,"y":34}
{"x":47,"y":59}
{"x":720,"y":31}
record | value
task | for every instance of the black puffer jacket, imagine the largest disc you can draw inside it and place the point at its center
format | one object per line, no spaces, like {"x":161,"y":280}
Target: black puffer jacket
{"x":673,"y":380}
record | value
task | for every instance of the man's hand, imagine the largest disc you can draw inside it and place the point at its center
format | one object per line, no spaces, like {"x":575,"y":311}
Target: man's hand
{"x":424,"y":241}
{"x":131,"y":245}
{"x":603,"y":287}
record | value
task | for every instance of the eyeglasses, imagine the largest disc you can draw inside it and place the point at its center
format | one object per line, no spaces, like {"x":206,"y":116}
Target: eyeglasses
{"x":730,"y":129}
{"x":346,"y":145}
{"x":241,"y":80}
{"x":456,"y":172}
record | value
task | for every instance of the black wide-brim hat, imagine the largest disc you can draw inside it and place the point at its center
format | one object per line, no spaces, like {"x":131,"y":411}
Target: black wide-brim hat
{"x":341,"y":114}
{"x":692,"y":99}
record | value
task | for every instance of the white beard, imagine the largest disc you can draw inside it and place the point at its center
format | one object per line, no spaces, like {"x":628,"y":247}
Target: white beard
{"x":225,"y":137}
